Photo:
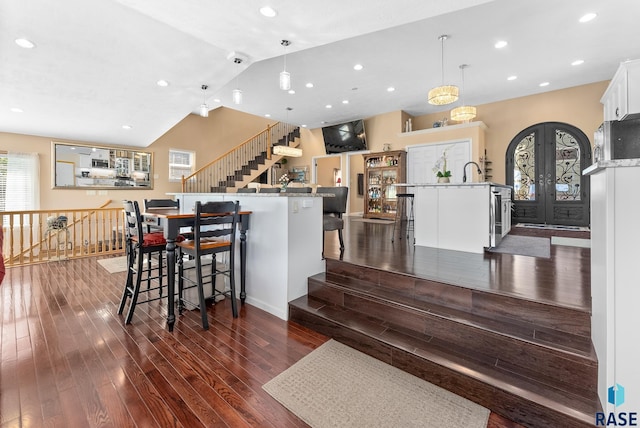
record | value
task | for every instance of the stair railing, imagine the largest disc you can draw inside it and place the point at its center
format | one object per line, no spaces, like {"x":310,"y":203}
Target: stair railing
{"x":227,"y":167}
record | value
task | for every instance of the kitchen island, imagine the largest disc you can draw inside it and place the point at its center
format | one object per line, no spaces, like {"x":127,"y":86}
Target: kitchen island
{"x":460,"y":216}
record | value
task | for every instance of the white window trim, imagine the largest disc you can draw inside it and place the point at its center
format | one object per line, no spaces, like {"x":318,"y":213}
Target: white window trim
{"x":192,"y":158}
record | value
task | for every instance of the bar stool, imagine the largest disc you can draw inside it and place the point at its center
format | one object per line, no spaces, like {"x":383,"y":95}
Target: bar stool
{"x":401,"y":212}
{"x":140,"y":245}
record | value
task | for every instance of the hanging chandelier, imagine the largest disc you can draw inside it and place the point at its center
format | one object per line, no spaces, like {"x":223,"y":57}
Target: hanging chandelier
{"x":444,"y":94}
{"x":463,"y":113}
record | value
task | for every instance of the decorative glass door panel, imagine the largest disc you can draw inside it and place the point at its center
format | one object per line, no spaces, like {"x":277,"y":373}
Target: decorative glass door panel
{"x":524,"y":171}
{"x":568,"y":167}
{"x":544,"y":165}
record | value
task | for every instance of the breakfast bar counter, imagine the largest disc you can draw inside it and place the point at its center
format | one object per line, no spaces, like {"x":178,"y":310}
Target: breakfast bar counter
{"x":284,"y":244}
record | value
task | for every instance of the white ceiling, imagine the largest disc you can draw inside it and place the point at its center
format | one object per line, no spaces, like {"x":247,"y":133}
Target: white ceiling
{"x":96,"y":62}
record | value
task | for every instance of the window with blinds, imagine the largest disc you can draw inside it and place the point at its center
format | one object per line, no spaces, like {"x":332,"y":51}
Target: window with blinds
{"x":181,"y":163}
{"x":19,"y":181}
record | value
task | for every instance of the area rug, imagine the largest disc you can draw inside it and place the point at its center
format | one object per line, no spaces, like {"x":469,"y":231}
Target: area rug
{"x":571,"y":242}
{"x":524,"y":245}
{"x":337,"y":386}
{"x":114,"y":264}
{"x":118,"y":264}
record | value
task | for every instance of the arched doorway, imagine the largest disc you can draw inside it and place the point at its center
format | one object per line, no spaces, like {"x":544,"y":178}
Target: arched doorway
{"x":544,"y":165}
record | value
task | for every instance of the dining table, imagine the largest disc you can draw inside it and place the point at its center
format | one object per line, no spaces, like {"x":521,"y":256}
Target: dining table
{"x":171,"y":221}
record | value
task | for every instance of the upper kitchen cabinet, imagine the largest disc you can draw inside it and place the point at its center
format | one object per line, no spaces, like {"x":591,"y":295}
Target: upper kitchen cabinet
{"x":622,"y":97}
{"x":83,"y":166}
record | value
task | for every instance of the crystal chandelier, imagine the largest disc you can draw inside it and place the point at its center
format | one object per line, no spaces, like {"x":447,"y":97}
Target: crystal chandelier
{"x":463,"y":113}
{"x":444,"y":94}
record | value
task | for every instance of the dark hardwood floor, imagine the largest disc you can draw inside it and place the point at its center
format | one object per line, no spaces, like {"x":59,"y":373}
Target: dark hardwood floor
{"x":67,"y":360}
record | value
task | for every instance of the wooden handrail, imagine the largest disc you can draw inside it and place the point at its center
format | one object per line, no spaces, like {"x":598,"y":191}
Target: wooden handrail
{"x":43,"y":239}
{"x":237,"y":161}
{"x":228,"y":152}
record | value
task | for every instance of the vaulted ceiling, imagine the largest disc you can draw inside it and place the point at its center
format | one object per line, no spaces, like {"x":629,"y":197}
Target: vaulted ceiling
{"x":96,"y":64}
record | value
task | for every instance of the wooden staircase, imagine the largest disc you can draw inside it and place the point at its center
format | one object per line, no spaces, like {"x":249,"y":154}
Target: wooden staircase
{"x":528,"y":361}
{"x":244,"y":163}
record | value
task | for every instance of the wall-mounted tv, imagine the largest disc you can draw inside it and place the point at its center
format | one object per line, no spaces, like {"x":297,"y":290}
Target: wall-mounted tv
{"x":345,"y":137}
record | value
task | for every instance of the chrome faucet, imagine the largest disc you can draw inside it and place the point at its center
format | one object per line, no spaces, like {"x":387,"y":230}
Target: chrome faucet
{"x":464,"y":170}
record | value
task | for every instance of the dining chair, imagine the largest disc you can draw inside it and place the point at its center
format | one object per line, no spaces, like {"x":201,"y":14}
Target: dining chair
{"x":214,"y":233}
{"x":333,"y":207}
{"x":138,"y":246}
{"x":247,"y":190}
{"x":269,"y":190}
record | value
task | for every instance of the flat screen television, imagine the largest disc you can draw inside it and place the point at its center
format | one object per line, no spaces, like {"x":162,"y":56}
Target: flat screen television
{"x":345,"y":137}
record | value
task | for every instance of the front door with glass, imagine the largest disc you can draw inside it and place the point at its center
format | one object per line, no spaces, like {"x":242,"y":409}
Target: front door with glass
{"x":544,"y":165}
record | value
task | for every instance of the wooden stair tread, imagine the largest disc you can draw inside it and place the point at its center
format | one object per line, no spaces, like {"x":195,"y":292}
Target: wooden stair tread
{"x":460,"y":361}
{"x":557,"y":342}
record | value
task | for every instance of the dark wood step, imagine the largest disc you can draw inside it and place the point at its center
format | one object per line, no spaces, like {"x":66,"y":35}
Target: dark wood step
{"x":558,"y":359}
{"x":576,"y":321}
{"x":446,"y":364}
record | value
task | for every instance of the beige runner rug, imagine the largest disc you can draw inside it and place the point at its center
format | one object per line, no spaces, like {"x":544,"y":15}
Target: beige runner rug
{"x":337,"y":386}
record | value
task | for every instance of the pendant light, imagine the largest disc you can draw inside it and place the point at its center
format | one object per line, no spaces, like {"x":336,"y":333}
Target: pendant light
{"x":285,"y":77}
{"x":236,"y":94}
{"x":463,"y":113}
{"x":204,"y":108}
{"x":444,"y":94}
{"x":286,"y":150}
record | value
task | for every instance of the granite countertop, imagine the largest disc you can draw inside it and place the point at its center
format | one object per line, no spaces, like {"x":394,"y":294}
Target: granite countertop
{"x":613,"y":163}
{"x":262,"y":195}
{"x":475,"y":184}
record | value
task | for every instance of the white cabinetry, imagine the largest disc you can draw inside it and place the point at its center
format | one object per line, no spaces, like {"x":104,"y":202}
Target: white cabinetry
{"x":615,"y":233}
{"x":622,"y":97}
{"x":453,"y":217}
{"x":84,"y":161}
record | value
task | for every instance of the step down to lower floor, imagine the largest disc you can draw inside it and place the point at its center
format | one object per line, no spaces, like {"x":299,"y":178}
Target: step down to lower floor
{"x":516,"y":397}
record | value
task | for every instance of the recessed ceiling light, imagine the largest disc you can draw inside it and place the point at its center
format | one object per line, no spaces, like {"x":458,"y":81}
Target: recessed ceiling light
{"x":127,"y":127}
{"x":578,"y":62}
{"x":162,"y":83}
{"x":267,"y":115}
{"x":328,"y":106}
{"x":24,"y":43}
{"x":512,"y":77}
{"x":358,"y":67}
{"x":268,"y":11}
{"x":544,"y":84}
{"x":391,"y":89}
{"x":216,"y":100}
{"x":291,"y":91}
{"x":587,"y":17}
{"x":309,"y":85}
{"x":345,"y":101}
{"x":304,"y":126}
{"x":500,"y":44}
{"x":17,"y":110}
